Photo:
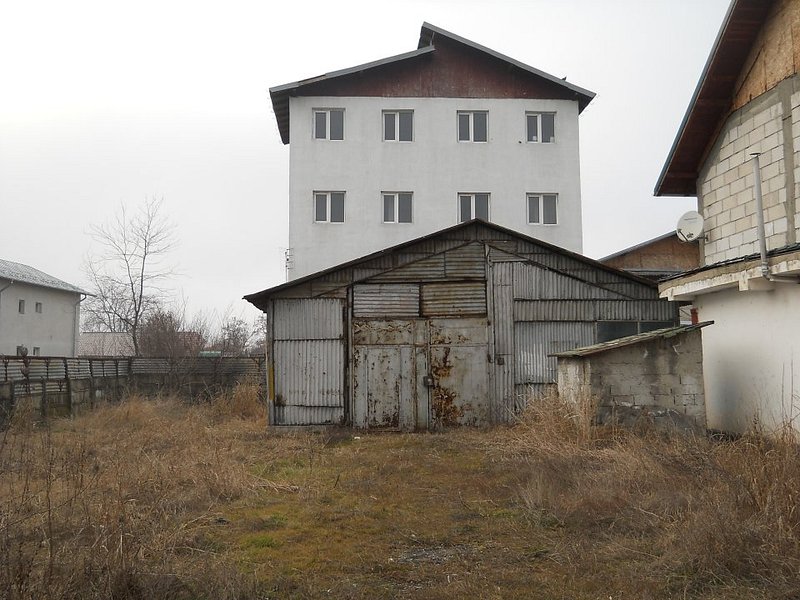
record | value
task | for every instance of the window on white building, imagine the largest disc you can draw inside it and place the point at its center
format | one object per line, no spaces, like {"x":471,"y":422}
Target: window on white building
{"x":21,"y":307}
{"x":329,"y":207}
{"x":398,"y":125}
{"x":541,"y":127}
{"x":397,"y":207}
{"x":543,"y":209}
{"x":37,"y":351}
{"x":38,"y":307}
{"x":473,"y":126}
{"x":329,"y":124}
{"x":473,"y":206}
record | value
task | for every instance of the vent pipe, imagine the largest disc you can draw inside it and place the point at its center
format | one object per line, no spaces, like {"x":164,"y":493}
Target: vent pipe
{"x":761,"y":229}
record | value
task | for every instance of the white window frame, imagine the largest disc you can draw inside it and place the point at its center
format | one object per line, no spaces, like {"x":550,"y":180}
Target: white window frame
{"x":540,"y":200}
{"x":396,"y":115}
{"x":473,"y":196}
{"x":328,"y":196}
{"x":396,"y":207}
{"x":538,"y":116}
{"x":327,"y":112}
{"x":471,"y":114}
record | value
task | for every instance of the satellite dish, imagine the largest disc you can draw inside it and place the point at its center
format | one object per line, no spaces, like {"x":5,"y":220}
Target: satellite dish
{"x":690,"y":226}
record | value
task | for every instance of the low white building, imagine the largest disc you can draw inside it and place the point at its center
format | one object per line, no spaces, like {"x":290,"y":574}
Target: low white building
{"x":37,"y":312}
{"x":392,"y":150}
{"x":747,"y":103}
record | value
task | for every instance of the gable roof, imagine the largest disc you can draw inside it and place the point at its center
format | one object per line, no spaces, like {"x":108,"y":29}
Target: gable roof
{"x":429,"y":34}
{"x":15,"y":271}
{"x":361,"y":272}
{"x":712,"y":98}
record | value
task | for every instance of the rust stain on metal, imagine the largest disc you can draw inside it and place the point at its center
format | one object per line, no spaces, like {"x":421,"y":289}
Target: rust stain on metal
{"x":443,"y":402}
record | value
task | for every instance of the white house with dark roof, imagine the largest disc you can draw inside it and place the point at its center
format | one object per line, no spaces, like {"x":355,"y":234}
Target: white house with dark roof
{"x":37,"y":312}
{"x":737,"y":151}
{"x":395,"y":149}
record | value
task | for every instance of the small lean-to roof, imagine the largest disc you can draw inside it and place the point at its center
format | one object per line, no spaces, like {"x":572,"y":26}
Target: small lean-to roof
{"x":14,"y":271}
{"x":630,"y":340}
{"x":280,"y":94}
{"x":712,"y":97}
{"x":258,"y":298}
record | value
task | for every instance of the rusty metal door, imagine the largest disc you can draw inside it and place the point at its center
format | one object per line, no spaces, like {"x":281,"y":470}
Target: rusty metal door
{"x":386,"y":362}
{"x":458,"y":379}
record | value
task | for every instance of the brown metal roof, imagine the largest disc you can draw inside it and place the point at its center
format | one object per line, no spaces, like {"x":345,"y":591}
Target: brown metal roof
{"x":711,"y":102}
{"x":280,"y":94}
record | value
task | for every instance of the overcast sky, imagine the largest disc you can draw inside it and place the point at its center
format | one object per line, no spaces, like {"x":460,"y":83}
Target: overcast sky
{"x":103,"y":103}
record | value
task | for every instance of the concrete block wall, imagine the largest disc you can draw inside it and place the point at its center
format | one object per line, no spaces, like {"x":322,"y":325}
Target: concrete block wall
{"x":769,"y":125}
{"x":654,"y":376}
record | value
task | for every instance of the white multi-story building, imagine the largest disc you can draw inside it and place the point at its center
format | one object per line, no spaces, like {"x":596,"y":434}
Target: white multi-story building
{"x":399,"y":148}
{"x":37,"y":312}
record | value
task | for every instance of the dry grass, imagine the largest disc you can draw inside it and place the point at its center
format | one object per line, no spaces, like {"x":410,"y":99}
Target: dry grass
{"x":156,"y":499}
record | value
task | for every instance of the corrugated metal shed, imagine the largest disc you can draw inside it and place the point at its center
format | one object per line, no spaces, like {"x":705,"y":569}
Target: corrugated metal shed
{"x":455,"y":328}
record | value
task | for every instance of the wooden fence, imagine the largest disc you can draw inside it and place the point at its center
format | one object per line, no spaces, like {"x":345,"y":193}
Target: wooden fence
{"x":66,"y":386}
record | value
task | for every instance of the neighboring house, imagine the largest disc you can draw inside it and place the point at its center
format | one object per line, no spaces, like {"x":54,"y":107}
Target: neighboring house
{"x":37,"y":312}
{"x":104,"y":343}
{"x":747,"y":101}
{"x":452,"y":328}
{"x":391,"y":150}
{"x":655,"y":259}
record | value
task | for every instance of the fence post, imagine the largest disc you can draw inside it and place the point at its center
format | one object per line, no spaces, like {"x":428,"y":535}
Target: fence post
{"x":69,"y":387}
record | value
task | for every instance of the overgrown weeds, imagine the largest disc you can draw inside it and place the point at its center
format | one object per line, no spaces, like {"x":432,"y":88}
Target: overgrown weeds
{"x":159,"y":499}
{"x":115,"y":504}
{"x":702,"y":514}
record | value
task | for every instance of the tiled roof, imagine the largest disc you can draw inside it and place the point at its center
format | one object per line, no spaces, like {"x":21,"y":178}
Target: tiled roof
{"x":24,"y":274}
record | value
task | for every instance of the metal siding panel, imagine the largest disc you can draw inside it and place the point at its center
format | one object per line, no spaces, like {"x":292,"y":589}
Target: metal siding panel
{"x":421,"y":270}
{"x":309,"y":319}
{"x":384,"y":300}
{"x":307,"y":415}
{"x":375,"y":332}
{"x":309,"y":373}
{"x":534,"y":341}
{"x":503,"y":326}
{"x":465,"y":262}
{"x":443,"y":299}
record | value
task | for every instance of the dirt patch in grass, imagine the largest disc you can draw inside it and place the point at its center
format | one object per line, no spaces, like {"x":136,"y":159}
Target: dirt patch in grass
{"x":151,"y":499}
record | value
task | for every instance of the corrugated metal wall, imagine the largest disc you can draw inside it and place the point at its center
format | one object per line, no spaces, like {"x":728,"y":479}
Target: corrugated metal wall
{"x":386,"y":300}
{"x":308,"y":361}
{"x":439,"y":299}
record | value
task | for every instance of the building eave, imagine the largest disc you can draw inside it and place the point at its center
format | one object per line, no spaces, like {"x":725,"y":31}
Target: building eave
{"x":428,"y":36}
{"x":711,"y":100}
{"x":743,"y":274}
{"x":281,"y":94}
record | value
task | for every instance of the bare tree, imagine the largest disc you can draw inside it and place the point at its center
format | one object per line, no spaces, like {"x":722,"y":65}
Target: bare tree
{"x":126,"y":276}
{"x":166,"y":333}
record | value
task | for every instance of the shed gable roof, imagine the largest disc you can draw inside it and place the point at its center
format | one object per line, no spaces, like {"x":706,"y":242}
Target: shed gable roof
{"x":444,"y":65}
{"x":712,"y":98}
{"x":424,"y":258}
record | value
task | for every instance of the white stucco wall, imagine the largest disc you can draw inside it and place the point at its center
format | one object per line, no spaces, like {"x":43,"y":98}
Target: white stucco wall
{"x":751,"y":356}
{"x":53,"y":330}
{"x":435,"y":167}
